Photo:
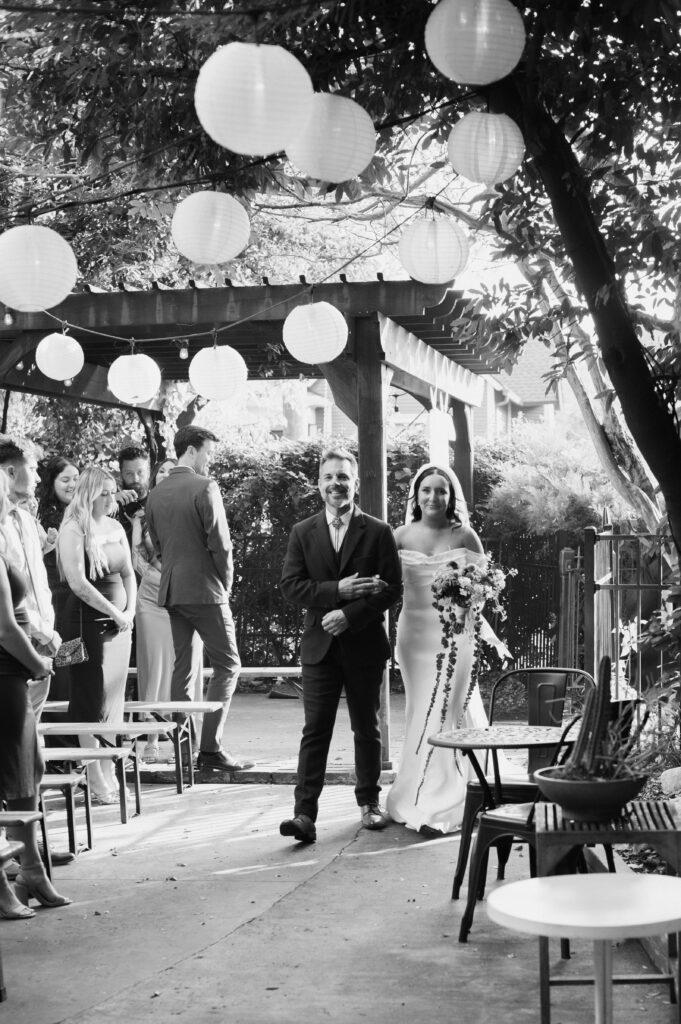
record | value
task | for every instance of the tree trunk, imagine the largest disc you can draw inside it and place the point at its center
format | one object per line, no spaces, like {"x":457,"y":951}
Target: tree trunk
{"x":645,"y":411}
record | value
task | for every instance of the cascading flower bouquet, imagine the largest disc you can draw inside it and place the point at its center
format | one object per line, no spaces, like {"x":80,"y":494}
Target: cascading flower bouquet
{"x":460,"y":592}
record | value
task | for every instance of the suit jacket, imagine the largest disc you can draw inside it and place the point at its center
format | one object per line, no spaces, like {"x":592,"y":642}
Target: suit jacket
{"x":310,"y":578}
{"x":188,"y":527}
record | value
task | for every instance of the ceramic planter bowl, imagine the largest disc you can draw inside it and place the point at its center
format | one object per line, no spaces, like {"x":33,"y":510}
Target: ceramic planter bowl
{"x":588,"y":799}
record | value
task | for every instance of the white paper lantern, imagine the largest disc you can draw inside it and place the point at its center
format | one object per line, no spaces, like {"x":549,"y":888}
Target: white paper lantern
{"x":210,"y":227}
{"x":337,"y":142}
{"x":252,"y":99}
{"x":433,"y":250}
{"x":37,"y":268}
{"x":60,"y":357}
{"x":134,"y":379}
{"x":486,"y":147}
{"x":315,"y":333}
{"x":218,"y":373}
{"x":475,"y":41}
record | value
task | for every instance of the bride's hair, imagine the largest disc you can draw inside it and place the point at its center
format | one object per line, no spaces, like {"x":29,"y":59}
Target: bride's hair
{"x":416,"y":512}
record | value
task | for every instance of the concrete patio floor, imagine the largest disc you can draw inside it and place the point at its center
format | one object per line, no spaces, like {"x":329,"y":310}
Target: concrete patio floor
{"x":199,"y":911}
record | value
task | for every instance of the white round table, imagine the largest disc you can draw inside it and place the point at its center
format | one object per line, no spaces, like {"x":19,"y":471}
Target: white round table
{"x":600,"y":907}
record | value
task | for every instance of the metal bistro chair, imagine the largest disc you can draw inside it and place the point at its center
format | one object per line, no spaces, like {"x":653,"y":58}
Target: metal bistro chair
{"x":505,"y":825}
{"x":546,"y":690}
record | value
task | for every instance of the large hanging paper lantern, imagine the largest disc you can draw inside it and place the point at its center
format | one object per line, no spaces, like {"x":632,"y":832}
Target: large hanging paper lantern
{"x":134,"y":379}
{"x":59,"y":357}
{"x":252,"y":98}
{"x":218,"y":372}
{"x":475,"y":41}
{"x":210,"y":227}
{"x":337,"y":141}
{"x":486,"y":147}
{"x":315,"y":333}
{"x":37,"y":268}
{"x":433,"y":250}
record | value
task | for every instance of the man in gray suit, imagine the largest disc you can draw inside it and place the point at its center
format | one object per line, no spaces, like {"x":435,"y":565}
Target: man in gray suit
{"x":188,"y":527}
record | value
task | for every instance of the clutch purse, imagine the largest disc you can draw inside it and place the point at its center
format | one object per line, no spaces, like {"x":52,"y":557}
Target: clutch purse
{"x":71,"y":652}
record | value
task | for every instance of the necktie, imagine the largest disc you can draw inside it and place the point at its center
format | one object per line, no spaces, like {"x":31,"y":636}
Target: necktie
{"x":337,"y":522}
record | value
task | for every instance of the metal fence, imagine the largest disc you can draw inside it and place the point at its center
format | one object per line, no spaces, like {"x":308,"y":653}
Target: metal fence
{"x":627,"y":578}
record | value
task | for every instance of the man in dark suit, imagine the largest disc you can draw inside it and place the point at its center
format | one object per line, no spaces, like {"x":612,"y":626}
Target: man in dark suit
{"x":188,"y":527}
{"x":343,"y":567}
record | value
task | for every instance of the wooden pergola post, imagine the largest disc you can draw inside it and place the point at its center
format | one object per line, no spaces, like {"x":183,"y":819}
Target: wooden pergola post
{"x":463,"y":449}
{"x":373,"y":381}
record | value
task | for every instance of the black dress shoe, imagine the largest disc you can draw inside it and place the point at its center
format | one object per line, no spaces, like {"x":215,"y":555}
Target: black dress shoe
{"x":373,"y":817}
{"x":301,"y":828}
{"x":220,"y":760}
{"x":58,"y":857}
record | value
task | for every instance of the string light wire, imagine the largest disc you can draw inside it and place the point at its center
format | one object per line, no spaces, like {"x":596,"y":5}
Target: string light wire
{"x":308,"y":290}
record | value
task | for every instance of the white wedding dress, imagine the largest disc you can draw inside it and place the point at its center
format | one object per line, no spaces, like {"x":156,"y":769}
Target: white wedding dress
{"x":430,"y":785}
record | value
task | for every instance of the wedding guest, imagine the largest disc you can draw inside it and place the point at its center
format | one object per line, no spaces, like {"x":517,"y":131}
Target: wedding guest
{"x":134,"y":469}
{"x":189,"y":530}
{"x":342,"y":567}
{"x":94,"y":558}
{"x":59,"y":478}
{"x":19,"y":463}
{"x":154,"y":637}
{"x":21,"y":765}
{"x":430,"y":786}
{"x":57,"y":487}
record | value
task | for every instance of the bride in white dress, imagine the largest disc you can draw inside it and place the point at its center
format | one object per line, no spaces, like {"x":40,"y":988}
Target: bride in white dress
{"x":429,"y":789}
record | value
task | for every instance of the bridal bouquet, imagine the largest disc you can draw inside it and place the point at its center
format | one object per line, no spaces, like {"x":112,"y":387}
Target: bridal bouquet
{"x":460,"y":592}
{"x":469,"y":587}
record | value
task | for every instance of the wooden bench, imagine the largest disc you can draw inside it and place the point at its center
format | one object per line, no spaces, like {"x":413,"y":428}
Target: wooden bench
{"x":73,"y":757}
{"x":181,"y":712}
{"x":67,"y":783}
{"x":9,"y":851}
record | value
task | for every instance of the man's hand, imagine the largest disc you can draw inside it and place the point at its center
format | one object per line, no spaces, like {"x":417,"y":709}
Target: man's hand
{"x":335,"y":622}
{"x":354,"y":586}
{"x":124,"y":498}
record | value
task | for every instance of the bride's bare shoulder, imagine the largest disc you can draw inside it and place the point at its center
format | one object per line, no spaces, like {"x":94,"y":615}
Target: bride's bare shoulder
{"x":466,"y":537}
{"x":402,"y":534}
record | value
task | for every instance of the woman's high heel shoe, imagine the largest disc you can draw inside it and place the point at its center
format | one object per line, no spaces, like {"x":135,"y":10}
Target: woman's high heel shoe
{"x":39,"y":889}
{"x":15,"y":912}
{"x":105,"y":798}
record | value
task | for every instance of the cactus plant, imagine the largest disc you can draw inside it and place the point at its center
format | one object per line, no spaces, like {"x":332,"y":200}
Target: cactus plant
{"x":608,"y":748}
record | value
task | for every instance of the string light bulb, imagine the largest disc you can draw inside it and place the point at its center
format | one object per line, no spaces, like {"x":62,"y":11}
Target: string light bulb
{"x":184,"y":350}
{"x":8,"y":318}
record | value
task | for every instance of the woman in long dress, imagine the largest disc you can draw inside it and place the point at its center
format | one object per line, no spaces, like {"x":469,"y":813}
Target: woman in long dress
{"x":94,"y":558}
{"x":153,"y":636}
{"x":430,"y":787}
{"x":59,"y":479}
{"x":21,"y":763}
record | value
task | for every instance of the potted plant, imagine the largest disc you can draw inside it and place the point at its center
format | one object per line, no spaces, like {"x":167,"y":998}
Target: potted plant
{"x":610,"y":760}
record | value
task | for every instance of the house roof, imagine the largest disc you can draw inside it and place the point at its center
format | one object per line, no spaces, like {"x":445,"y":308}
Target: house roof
{"x":525,"y":381}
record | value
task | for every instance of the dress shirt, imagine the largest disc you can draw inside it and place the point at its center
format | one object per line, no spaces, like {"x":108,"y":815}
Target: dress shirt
{"x":25,"y":550}
{"x":337,"y":533}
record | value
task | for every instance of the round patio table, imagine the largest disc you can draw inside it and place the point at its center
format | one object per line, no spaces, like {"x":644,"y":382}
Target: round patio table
{"x":494,"y":738}
{"x":600,"y":907}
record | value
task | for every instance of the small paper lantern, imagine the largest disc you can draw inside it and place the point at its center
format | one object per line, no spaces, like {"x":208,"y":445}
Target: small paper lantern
{"x":218,"y":373}
{"x":315,"y":333}
{"x":433,"y":250}
{"x":37,"y":268}
{"x":337,"y":142}
{"x":210,"y":227}
{"x":475,"y":41}
{"x":252,"y":98}
{"x":60,"y":357}
{"x":134,"y":378}
{"x":486,"y":147}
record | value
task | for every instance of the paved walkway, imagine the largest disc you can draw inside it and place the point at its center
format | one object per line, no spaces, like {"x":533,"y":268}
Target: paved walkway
{"x":199,"y":912}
